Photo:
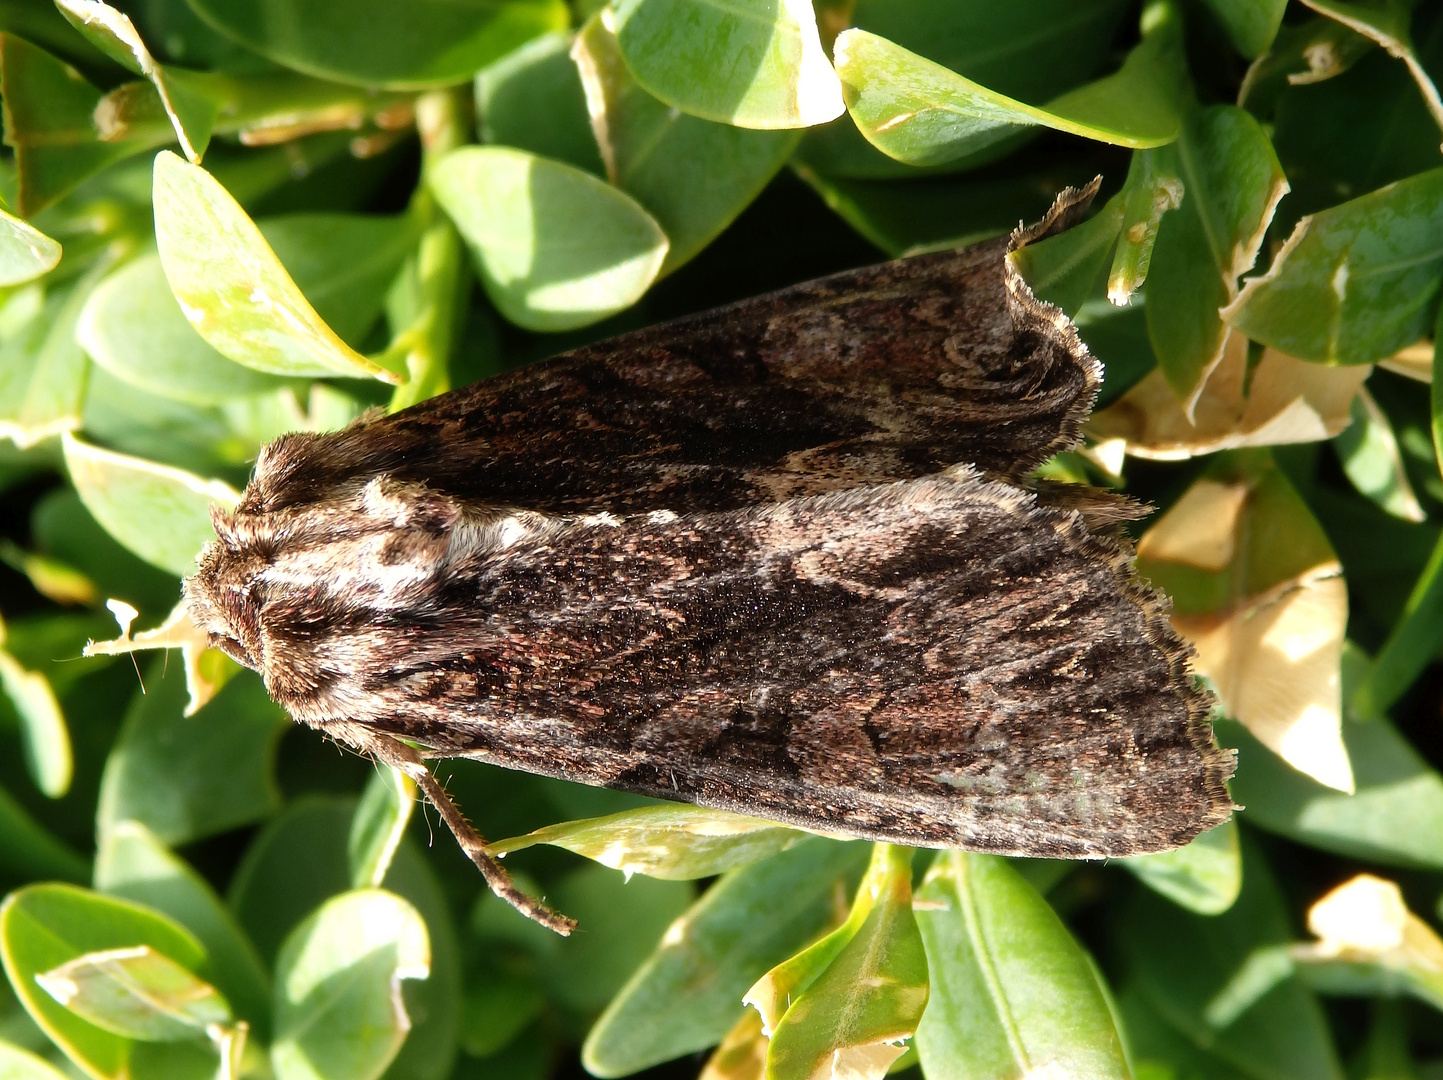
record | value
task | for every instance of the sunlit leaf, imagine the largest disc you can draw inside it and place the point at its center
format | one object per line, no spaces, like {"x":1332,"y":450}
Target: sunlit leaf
{"x":43,"y":731}
{"x":160,"y":513}
{"x":851,"y":1017}
{"x":18,"y":1064}
{"x":1368,"y":451}
{"x":685,"y":996}
{"x":742,"y":1054}
{"x":922,"y":113}
{"x":1232,"y":182}
{"x":338,"y":1010}
{"x":191,"y":115}
{"x":1259,"y":593}
{"x":25,"y":251}
{"x":1353,"y":283}
{"x":556,"y":247}
{"x":1280,"y":400}
{"x":136,"y":992}
{"x":43,"y":371}
{"x":231,"y":286}
{"x":379,"y":825}
{"x":374,"y":42}
{"x":672,"y":841}
{"x":693,"y":175}
{"x":750,"y":63}
{"x":1203,"y":876}
{"x":1152,"y":189}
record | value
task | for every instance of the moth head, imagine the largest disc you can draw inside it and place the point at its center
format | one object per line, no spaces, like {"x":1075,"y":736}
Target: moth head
{"x":219,"y":595}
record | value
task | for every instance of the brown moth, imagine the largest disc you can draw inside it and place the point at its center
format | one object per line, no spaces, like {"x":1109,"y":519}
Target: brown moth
{"x":781,"y":558}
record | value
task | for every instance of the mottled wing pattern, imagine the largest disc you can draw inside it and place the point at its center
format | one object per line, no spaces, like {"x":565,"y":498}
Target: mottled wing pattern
{"x":888,"y":373}
{"x":936,"y":662}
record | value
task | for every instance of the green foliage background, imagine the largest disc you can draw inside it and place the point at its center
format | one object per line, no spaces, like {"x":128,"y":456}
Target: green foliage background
{"x":383,"y":201}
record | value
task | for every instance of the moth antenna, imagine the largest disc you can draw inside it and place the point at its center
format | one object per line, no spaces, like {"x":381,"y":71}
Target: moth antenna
{"x":402,"y":757}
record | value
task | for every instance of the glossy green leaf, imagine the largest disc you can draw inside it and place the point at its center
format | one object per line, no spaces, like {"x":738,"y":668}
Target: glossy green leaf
{"x":1231,"y":183}
{"x":1354,"y":283}
{"x":375,"y":43}
{"x":1030,"y":50}
{"x":750,"y":63}
{"x":379,"y":825}
{"x":160,"y":513}
{"x":192,"y":115}
{"x":25,"y":251}
{"x":300,"y":860}
{"x":1196,"y":971}
{"x":43,"y":731}
{"x":694,"y":176}
{"x":44,"y":926}
{"x":1152,"y":189}
{"x":338,"y":1008}
{"x":1386,"y":24}
{"x":1013,"y":994}
{"x":672,"y":841}
{"x":18,"y":1064}
{"x":922,"y":113}
{"x":625,"y":923}
{"x":688,"y":993}
{"x":133,"y":327}
{"x":49,"y":122}
{"x":232,"y":287}
{"x":133,"y":865}
{"x":43,"y":371}
{"x":183,"y":777}
{"x":1204,"y":876}
{"x":556,"y":247}
{"x":1368,"y":451}
{"x":64,"y":529}
{"x":854,"y":1014}
{"x":533,"y":99}
{"x":138,"y":993}
{"x":1252,"y":24}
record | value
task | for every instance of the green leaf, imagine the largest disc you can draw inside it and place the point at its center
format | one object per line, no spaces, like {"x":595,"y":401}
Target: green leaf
{"x":1410,"y":646}
{"x":338,"y":1008}
{"x":232,"y":287}
{"x":376,"y":43}
{"x":1200,"y":972}
{"x":43,"y":733}
{"x":1354,"y":283}
{"x":1152,"y":189}
{"x":556,"y":247}
{"x":48,"y":111}
{"x":379,"y":825}
{"x":922,"y":113}
{"x":1252,"y":24}
{"x":673,"y":841}
{"x":160,"y":513}
{"x":694,"y":176}
{"x":45,"y":926}
{"x":871,"y":995}
{"x":189,"y":777}
{"x":1307,"y":52}
{"x":533,"y":99}
{"x":1012,"y":991}
{"x":625,"y":921}
{"x":138,"y":993}
{"x":1231,"y":183}
{"x":25,"y":251}
{"x":686,"y":996}
{"x":64,"y":529}
{"x":749,"y":63}
{"x":1031,"y":50}
{"x":43,"y":371}
{"x":133,"y":327}
{"x":18,"y":1064}
{"x":1064,"y":269}
{"x":1204,"y":876}
{"x":133,"y":865}
{"x":1368,"y":451}
{"x":192,"y":116}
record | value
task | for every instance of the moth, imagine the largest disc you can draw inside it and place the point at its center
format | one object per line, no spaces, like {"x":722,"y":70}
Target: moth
{"x":782,"y":558}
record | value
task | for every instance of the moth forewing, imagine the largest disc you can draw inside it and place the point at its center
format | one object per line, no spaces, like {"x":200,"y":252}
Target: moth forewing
{"x":779,"y":559}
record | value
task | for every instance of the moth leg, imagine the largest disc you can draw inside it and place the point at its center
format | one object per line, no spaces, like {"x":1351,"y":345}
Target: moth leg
{"x":402,"y":757}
